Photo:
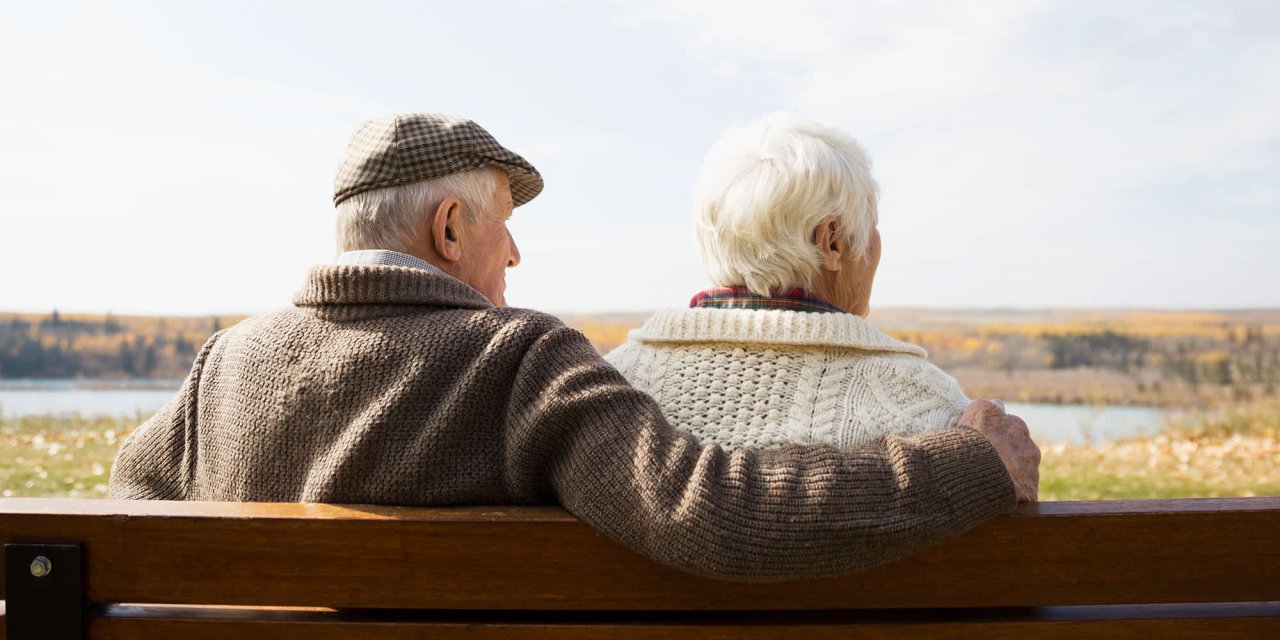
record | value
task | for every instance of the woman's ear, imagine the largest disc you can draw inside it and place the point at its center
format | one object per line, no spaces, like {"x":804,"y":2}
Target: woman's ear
{"x":829,"y":242}
{"x":446,"y":230}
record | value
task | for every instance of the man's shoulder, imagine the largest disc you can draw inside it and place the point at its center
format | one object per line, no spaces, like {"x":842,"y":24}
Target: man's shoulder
{"x":269,"y":321}
{"x":534,"y":317}
{"x":502,"y":322}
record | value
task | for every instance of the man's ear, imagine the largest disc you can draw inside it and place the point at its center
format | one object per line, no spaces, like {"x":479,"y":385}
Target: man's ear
{"x":830,"y":243}
{"x":446,"y":229}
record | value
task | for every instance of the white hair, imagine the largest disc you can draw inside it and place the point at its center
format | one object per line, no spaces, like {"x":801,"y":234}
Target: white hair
{"x":389,"y":218}
{"x":762,"y":191}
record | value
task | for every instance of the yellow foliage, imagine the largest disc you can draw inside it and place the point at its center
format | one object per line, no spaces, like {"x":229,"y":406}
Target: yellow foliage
{"x":604,"y":335}
{"x":1212,"y":357}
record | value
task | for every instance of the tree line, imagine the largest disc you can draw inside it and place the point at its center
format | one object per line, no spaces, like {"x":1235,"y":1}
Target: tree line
{"x":55,"y":345}
{"x":1240,"y":355}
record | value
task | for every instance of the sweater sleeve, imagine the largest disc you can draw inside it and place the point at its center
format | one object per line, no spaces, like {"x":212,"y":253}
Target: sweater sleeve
{"x":156,"y":460}
{"x":608,"y":455}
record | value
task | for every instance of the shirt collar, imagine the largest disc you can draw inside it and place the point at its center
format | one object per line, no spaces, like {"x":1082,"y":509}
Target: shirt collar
{"x":385,"y":257}
{"x":741,"y":298}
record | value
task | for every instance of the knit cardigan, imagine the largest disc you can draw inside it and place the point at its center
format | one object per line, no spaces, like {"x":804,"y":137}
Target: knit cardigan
{"x":763,"y":378}
{"x":389,"y":385}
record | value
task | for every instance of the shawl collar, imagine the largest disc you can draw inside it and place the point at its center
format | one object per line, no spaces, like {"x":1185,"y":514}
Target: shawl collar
{"x":768,"y":328}
{"x":334,"y":287}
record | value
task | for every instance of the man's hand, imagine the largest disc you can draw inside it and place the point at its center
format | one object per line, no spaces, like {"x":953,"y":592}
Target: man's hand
{"x":1012,"y":440}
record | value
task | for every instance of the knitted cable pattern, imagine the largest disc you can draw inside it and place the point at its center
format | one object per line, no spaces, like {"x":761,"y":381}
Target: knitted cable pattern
{"x":752,"y":378}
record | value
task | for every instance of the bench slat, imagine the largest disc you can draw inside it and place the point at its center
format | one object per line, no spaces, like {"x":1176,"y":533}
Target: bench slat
{"x":543,"y":559}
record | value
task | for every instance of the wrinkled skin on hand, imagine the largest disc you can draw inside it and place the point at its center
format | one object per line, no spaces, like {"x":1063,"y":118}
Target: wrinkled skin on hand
{"x":1012,"y":440}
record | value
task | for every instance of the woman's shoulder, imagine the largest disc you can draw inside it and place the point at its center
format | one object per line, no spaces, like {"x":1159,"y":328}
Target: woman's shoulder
{"x":906,"y":376}
{"x":622,"y":353}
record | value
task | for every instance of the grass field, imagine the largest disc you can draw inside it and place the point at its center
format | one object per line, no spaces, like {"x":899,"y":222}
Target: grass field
{"x":1224,"y":453}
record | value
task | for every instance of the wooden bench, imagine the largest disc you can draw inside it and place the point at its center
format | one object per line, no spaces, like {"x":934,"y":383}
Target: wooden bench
{"x":1149,"y":569}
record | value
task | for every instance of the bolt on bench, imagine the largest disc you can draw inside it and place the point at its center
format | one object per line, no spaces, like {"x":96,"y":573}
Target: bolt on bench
{"x":191,"y":570}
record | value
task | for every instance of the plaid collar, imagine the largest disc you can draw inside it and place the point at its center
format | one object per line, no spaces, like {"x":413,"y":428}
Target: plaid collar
{"x":386,"y":258}
{"x":741,"y":298}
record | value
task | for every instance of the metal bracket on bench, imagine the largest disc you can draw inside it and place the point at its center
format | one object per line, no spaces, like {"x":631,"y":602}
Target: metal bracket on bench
{"x":43,"y":598}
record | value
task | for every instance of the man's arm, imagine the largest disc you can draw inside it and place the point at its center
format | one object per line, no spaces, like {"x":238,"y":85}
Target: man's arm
{"x":156,"y":461}
{"x":800,"y":511}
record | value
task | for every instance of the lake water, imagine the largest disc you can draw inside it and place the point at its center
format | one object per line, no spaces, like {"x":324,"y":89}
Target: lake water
{"x":20,"y":398}
{"x":1076,"y":424}
{"x":1049,"y":423}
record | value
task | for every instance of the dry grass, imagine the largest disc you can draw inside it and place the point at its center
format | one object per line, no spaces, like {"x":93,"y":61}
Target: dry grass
{"x":68,"y":457}
{"x":1163,"y":467}
{"x":1230,"y":452}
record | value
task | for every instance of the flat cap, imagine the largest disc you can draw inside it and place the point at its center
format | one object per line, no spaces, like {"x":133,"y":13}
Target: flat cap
{"x":409,"y":147}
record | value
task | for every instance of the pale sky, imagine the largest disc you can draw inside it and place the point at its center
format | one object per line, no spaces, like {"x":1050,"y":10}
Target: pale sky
{"x":177,"y":158}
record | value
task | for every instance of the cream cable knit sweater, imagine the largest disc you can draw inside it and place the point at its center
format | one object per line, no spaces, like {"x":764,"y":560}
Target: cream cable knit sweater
{"x":747,"y":378}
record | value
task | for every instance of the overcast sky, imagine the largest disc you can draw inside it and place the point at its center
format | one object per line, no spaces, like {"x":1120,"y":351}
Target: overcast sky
{"x":178,"y":157}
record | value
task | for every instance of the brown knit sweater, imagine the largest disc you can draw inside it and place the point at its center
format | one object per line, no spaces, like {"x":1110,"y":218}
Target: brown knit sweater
{"x":389,"y":385}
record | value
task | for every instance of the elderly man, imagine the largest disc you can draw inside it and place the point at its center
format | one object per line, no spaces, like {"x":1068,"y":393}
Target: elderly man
{"x":400,"y":377}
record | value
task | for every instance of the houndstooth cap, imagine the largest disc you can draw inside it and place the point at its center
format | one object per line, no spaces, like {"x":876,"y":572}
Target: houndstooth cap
{"x":410,"y":147}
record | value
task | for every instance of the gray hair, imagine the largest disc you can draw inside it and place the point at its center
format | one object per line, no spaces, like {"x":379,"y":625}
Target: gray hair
{"x":762,"y":190}
{"x":389,"y":218}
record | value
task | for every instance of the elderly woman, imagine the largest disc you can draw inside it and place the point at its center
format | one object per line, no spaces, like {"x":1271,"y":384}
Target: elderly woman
{"x":780,"y":351}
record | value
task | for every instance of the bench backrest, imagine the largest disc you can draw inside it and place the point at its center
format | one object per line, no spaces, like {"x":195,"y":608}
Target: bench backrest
{"x":1213,"y":562}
